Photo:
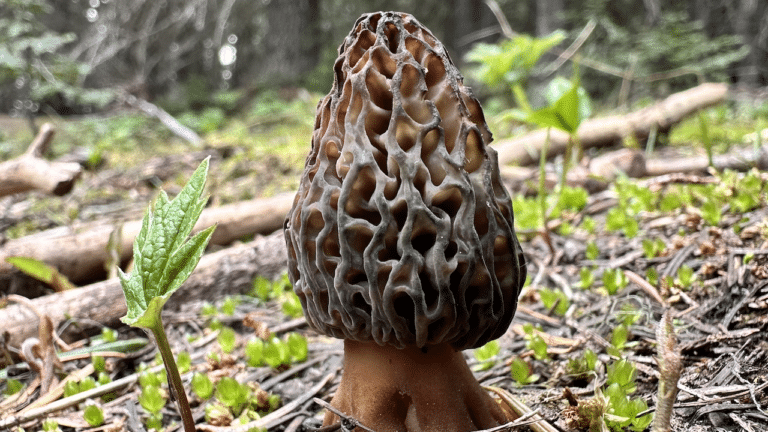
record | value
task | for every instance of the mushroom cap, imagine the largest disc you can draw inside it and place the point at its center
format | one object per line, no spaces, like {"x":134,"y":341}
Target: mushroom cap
{"x":401,"y":231}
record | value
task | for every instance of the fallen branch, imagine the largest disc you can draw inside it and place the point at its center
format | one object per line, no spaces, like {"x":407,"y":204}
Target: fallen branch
{"x":166,"y":119}
{"x":31,"y":172}
{"x":226,"y":272}
{"x":80,"y":252}
{"x":607,"y":131}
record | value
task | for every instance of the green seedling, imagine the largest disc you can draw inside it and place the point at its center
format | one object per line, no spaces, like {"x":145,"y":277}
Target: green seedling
{"x":208,"y":310}
{"x":685,"y":276}
{"x":614,"y":280}
{"x":618,"y":219}
{"x":619,"y":338}
{"x":163,"y":259}
{"x":711,"y":212}
{"x":582,"y":365}
{"x":13,"y":386}
{"x":151,"y":399}
{"x":108,"y":335}
{"x":42,"y":272}
{"x":623,"y":373}
{"x":588,"y":224}
{"x":99,"y":363}
{"x":254,"y":352}
{"x":218,"y":413}
{"x":624,"y":410}
{"x":87,"y":383}
{"x":276,"y":353}
{"x":93,"y":415}
{"x":297,"y":347}
{"x":184,"y":361}
{"x":536,"y":343}
{"x":71,"y":387}
{"x":522,"y":372}
{"x":592,"y":252}
{"x":653,"y":248}
{"x":227,"y":339}
{"x":229,"y":305}
{"x":148,"y":378}
{"x":103,"y":378}
{"x":586,"y":277}
{"x":486,"y":355}
{"x":555,"y":299}
{"x":51,"y":425}
{"x":292,"y":305}
{"x":652,"y":276}
{"x":232,"y":394}
{"x":202,"y":385}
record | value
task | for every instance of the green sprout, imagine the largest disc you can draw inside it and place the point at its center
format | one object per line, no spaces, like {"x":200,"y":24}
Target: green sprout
{"x":586,"y":277}
{"x":535,"y":342}
{"x":108,"y":334}
{"x":151,"y":399}
{"x":276,"y":353}
{"x":164,"y":257}
{"x":297,"y":347}
{"x":522,"y":372}
{"x":51,"y":425}
{"x":555,"y":299}
{"x":227,"y":339}
{"x":184,"y":361}
{"x":14,"y":386}
{"x":685,"y":276}
{"x":583,"y":365}
{"x":614,"y":280}
{"x":292,"y":305}
{"x":229,"y":305}
{"x":592,"y":251}
{"x":202,"y":385}
{"x":254,"y":352}
{"x":93,"y":415}
{"x":486,"y":355}
{"x":232,"y":394}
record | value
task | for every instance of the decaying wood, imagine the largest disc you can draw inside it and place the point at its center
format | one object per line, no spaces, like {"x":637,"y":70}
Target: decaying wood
{"x":633,"y":163}
{"x":80,"y":252}
{"x":607,"y":131}
{"x":31,"y":172}
{"x":226,"y":272}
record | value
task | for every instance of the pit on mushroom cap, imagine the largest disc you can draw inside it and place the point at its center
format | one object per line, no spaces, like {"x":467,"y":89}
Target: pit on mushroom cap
{"x":401,"y":236}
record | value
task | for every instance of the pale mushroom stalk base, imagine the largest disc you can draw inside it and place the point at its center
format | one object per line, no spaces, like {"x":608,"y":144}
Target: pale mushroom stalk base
{"x":412,"y":389}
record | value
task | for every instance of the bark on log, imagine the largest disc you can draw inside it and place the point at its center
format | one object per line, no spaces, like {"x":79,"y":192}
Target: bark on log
{"x":632,"y":163}
{"x":226,"y":272}
{"x":31,"y":172}
{"x":80,"y":252}
{"x":607,"y":131}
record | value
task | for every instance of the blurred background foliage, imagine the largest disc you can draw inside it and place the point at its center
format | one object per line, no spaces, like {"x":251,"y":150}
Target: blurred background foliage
{"x":206,"y":59}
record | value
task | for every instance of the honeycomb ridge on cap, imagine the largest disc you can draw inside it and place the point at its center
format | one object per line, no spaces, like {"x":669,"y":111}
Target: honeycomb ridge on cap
{"x":401,"y":231}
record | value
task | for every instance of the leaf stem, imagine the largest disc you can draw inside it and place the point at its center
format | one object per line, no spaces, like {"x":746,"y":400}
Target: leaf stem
{"x":174,"y":377}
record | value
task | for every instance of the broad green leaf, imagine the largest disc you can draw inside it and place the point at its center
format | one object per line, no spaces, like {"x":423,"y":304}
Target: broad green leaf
{"x":164,"y":256}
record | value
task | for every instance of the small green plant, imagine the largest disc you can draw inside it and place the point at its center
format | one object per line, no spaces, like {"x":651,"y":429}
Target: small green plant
{"x":227,"y":339}
{"x":555,"y":299}
{"x":652,"y":276}
{"x":581,"y":366}
{"x":522,"y":372}
{"x":103,"y":378}
{"x":163,"y":259}
{"x":685,"y":276}
{"x":184,"y":361}
{"x":276,"y":353}
{"x":93,"y":415}
{"x":614,"y":280}
{"x":42,"y":272}
{"x":653,"y":248}
{"x":298,"y":348}
{"x":87,"y":383}
{"x":622,"y":373}
{"x":586,"y":277}
{"x":486,"y":355}
{"x":229,"y":305}
{"x":535,"y":343}
{"x":202,"y":385}
{"x":232,"y":394}
{"x":13,"y":386}
{"x":292,"y":305}
{"x":51,"y":425}
{"x":592,"y":252}
{"x":254,"y":352}
{"x":108,"y":334}
{"x":619,"y":338}
{"x":151,"y":399}
{"x":99,"y":363}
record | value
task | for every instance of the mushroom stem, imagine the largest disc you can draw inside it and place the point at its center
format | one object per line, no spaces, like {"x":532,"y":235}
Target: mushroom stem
{"x":412,"y":389}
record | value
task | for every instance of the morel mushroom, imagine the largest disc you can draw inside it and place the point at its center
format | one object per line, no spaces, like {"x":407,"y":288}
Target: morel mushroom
{"x":401,"y":237}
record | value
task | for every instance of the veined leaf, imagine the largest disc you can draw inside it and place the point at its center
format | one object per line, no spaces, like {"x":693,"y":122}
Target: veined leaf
{"x":42,"y":272}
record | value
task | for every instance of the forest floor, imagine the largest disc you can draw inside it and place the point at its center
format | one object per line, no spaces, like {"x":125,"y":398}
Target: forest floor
{"x":601,"y":275}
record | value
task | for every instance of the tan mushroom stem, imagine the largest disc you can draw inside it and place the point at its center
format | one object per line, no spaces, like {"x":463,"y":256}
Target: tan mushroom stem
{"x":412,"y":389}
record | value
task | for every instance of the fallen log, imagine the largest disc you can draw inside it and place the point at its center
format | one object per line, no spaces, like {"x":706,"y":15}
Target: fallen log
{"x":608,"y":131}
{"x":80,"y":252}
{"x":633,"y":163}
{"x":226,"y":272}
{"x":31,"y":172}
